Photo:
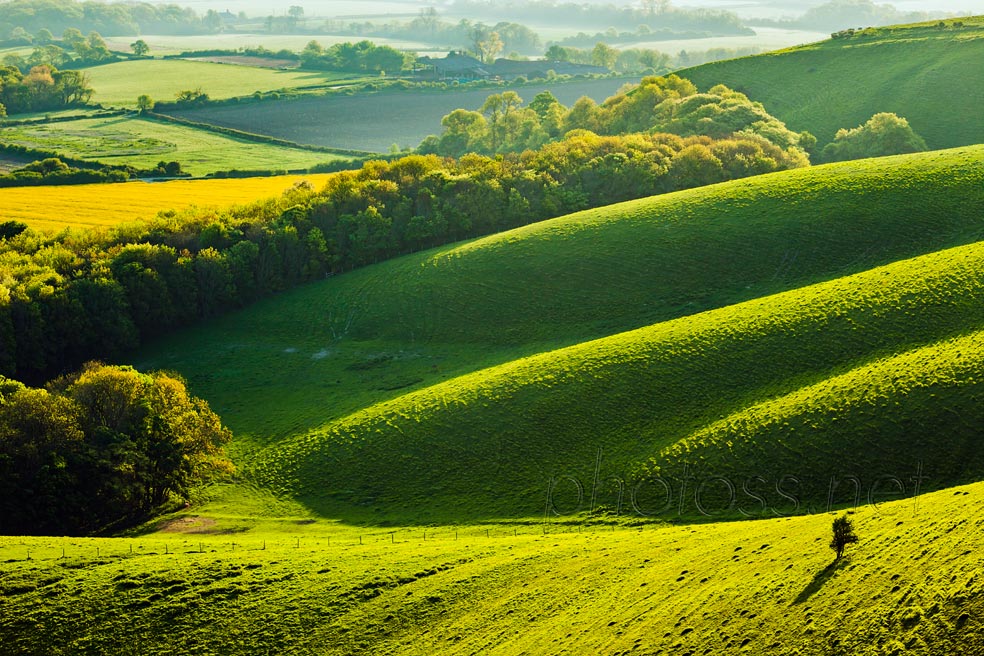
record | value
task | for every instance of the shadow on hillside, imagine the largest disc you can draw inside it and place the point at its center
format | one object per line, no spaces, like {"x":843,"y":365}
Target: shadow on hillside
{"x":818,"y":581}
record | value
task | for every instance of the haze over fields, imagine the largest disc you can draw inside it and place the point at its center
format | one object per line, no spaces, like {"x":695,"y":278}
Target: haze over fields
{"x":749,"y":8}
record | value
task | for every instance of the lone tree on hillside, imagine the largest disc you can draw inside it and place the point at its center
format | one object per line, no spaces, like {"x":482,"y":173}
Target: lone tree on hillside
{"x":843,"y":535}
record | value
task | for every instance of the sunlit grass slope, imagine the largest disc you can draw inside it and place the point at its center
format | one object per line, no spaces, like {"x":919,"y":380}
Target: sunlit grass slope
{"x":912,"y":585}
{"x":322,"y":358}
{"x":104,"y":205}
{"x":840,"y":83}
{"x":488,"y":443}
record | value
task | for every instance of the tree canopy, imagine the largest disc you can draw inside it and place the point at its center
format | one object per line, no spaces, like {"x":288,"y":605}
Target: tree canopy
{"x":106,"y":444}
{"x":658,"y":104}
{"x":883,"y":134}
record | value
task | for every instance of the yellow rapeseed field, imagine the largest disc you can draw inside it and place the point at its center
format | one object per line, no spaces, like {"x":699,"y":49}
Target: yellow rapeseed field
{"x":104,"y":205}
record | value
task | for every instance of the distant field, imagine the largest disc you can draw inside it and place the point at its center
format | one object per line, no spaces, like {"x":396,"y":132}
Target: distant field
{"x":172,"y":45}
{"x":144,"y":143}
{"x":931,"y":76}
{"x":104,"y":205}
{"x":376,"y":121}
{"x":119,"y":84}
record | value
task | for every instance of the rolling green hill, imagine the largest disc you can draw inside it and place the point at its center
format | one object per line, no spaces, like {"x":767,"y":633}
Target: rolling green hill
{"x":488,"y":443}
{"x":841,"y":83}
{"x":369,"y":386}
{"x":912,"y":585}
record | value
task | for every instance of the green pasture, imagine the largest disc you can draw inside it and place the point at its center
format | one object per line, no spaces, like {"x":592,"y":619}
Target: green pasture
{"x":930,"y":75}
{"x":119,"y":84}
{"x":211,"y":585}
{"x":143,"y":143}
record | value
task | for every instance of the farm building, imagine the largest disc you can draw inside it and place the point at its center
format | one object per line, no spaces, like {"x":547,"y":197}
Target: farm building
{"x":456,"y":66}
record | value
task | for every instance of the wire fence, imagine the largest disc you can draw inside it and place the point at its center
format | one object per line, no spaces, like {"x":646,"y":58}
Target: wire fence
{"x":104,"y":550}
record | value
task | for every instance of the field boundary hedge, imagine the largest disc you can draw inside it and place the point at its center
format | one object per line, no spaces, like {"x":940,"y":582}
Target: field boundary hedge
{"x":100,"y":113}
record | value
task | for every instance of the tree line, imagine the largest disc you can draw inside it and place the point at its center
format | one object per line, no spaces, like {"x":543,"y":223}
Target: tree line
{"x":363,"y":56}
{"x":592,"y":15}
{"x":102,"y":446}
{"x":642,"y":60}
{"x":427,"y":27}
{"x":53,"y":171}
{"x":26,"y":17}
{"x":658,"y":104}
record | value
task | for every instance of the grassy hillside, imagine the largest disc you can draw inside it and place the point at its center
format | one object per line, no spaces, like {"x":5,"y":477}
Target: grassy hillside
{"x":346,"y":356}
{"x":912,"y":585}
{"x":105,"y":205}
{"x":143,"y":143}
{"x":840,"y":83}
{"x":119,"y":84}
{"x":487,"y":444}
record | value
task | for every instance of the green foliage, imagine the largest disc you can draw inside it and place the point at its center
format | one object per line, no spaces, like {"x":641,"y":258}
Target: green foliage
{"x":42,"y":88}
{"x":191,"y":96}
{"x":363,"y":56}
{"x":145,"y":102}
{"x":53,"y":171}
{"x":862,"y":76}
{"x":657,"y":104}
{"x":10,"y":229}
{"x":883,"y":134}
{"x":844,"y":535}
{"x":104,"y":445}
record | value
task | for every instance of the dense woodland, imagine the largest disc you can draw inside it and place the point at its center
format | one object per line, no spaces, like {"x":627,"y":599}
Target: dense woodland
{"x":101,"y":446}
